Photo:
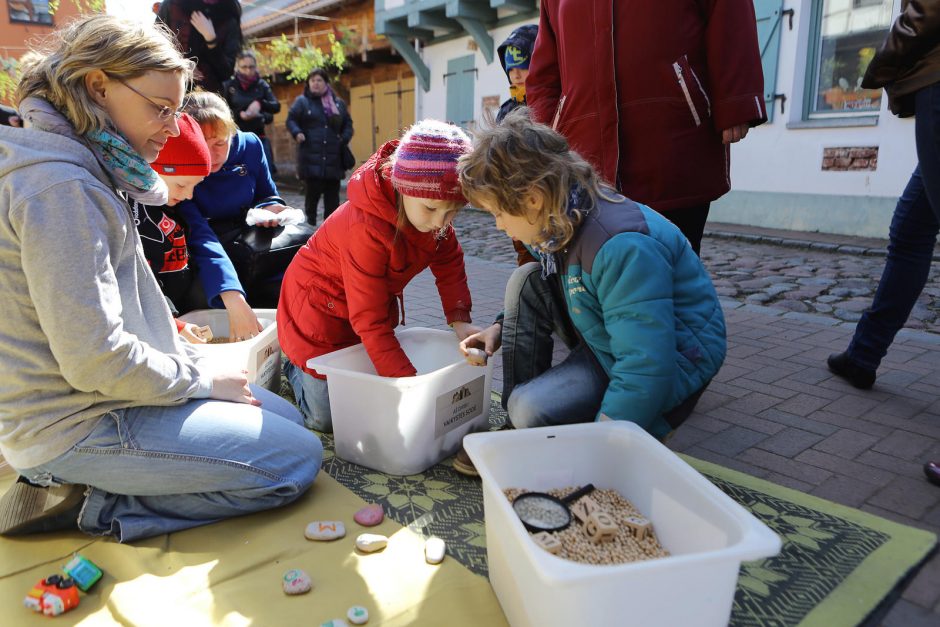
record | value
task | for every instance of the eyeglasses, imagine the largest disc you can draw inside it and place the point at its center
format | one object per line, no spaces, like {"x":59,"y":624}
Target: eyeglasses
{"x":164,"y":112}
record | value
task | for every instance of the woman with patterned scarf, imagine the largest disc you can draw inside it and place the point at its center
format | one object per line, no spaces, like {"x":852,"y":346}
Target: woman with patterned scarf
{"x":115,"y":425}
{"x":320,"y":124}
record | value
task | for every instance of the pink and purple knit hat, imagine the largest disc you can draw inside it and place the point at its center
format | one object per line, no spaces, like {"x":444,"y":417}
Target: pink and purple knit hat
{"x":426,"y":161}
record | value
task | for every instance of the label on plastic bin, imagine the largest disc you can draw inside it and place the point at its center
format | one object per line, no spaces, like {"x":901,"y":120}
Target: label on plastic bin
{"x":266,"y":362}
{"x":459,"y":406}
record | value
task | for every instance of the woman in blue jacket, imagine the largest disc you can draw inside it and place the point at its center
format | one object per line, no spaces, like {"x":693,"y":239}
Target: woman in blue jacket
{"x":617,"y":281}
{"x":239,"y":180}
{"x":320,"y":124}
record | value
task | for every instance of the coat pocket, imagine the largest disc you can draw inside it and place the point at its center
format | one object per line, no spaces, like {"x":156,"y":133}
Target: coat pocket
{"x":692,"y":89}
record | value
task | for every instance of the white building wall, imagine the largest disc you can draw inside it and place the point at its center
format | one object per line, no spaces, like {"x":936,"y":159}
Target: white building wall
{"x":491,"y":80}
{"x":776,"y":172}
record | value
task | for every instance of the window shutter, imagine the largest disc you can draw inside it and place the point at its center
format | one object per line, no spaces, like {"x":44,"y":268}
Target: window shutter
{"x":461,"y":78}
{"x":769,"y":25}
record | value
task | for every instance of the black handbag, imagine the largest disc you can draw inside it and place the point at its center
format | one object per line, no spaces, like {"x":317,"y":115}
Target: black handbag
{"x":260,"y":253}
{"x":349,"y":160}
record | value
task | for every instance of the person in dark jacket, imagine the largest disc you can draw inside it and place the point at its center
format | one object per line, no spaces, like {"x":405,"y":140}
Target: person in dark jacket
{"x":208,"y":32}
{"x":514,"y":54}
{"x":252,"y":102}
{"x":908,"y":67}
{"x":320,"y":124}
{"x":652,"y":94}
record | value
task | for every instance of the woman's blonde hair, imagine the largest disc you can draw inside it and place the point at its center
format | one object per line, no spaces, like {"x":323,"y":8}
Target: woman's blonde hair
{"x":519,"y":156}
{"x":122,"y":49}
{"x":208,"y":109}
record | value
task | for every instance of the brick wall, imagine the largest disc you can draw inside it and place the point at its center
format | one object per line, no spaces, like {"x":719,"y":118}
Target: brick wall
{"x":847,"y":159}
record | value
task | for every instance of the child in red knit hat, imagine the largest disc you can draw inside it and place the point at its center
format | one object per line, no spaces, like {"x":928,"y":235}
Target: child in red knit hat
{"x":346,"y":284}
{"x":182,"y":164}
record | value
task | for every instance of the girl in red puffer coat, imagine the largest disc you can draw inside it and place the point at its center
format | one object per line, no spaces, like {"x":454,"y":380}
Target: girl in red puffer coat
{"x":346,"y":284}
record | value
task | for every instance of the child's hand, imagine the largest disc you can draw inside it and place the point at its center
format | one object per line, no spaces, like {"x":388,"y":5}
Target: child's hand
{"x":464,"y":329}
{"x":489,"y":340}
{"x":194,"y":334}
{"x":231,"y":386}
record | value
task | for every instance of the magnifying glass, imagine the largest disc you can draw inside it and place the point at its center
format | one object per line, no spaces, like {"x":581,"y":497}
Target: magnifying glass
{"x":543,"y":512}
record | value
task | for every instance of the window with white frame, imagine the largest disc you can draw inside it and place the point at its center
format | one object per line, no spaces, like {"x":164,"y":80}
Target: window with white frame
{"x":849,"y":33}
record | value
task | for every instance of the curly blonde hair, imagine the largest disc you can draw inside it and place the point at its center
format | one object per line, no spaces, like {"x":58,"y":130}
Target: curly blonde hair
{"x":209,"y":109}
{"x":122,"y":49}
{"x":519,"y":156}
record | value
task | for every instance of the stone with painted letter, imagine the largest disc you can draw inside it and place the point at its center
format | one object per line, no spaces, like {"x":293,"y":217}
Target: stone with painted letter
{"x":357,"y":615}
{"x":297,"y":581}
{"x":325,"y":530}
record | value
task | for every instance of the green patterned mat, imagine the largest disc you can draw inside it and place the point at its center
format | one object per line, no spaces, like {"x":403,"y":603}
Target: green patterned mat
{"x":837,"y":565}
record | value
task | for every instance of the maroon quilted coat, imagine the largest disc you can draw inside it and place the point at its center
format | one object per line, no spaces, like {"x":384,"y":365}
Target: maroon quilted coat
{"x":345,"y":285}
{"x":647,"y":88}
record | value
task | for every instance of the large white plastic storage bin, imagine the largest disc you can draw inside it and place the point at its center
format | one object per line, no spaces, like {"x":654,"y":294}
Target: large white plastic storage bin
{"x":707,"y":534}
{"x":405,"y":425}
{"x":260,"y":355}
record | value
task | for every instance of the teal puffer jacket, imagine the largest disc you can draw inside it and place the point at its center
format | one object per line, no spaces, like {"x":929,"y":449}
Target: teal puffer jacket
{"x":645,"y":305}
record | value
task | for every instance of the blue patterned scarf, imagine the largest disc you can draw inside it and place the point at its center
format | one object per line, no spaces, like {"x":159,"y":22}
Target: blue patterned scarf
{"x":128,"y":171}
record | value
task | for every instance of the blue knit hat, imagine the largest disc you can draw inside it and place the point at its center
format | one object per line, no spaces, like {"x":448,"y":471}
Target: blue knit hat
{"x":515,"y":58}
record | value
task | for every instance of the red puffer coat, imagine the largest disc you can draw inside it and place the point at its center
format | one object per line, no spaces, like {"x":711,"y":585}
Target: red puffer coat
{"x":345,"y":285}
{"x":665,"y":78}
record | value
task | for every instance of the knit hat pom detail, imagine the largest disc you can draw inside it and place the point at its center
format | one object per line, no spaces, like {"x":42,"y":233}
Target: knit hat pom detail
{"x":426,"y":161}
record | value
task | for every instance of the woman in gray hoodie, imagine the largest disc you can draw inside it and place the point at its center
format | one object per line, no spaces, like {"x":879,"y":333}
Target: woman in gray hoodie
{"x":111,"y":420}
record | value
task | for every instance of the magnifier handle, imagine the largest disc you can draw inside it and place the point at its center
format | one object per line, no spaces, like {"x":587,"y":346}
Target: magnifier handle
{"x":574,"y":496}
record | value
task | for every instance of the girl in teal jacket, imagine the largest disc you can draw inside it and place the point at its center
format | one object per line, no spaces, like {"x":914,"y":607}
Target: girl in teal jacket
{"x":617,"y":282}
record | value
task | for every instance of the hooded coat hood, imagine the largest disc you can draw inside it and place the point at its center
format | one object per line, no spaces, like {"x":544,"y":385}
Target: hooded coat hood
{"x":346,"y":284}
{"x":522,"y":38}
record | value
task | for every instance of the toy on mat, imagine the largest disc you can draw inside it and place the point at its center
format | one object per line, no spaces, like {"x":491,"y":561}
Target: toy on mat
{"x":52,"y":596}
{"x":83,"y":571}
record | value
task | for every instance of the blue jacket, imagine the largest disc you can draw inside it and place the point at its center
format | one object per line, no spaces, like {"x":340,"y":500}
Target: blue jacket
{"x":243,"y":182}
{"x":647,"y":309}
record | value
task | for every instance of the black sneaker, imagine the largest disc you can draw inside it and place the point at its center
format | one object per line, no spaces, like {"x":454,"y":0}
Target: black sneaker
{"x":840,"y":364}
{"x":932,"y":471}
{"x":28,"y":508}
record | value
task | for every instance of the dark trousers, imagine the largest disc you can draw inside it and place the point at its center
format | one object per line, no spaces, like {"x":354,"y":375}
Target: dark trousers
{"x":912,"y":238}
{"x":691,"y":221}
{"x":329,"y":189}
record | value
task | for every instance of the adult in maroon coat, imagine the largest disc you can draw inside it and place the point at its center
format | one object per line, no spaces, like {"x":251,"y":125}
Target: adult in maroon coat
{"x":652,"y":94}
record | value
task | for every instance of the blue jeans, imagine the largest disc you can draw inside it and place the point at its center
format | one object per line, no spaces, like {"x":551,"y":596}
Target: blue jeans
{"x":312,"y":397}
{"x":912,"y":237}
{"x":155,"y":470}
{"x":535,"y":394}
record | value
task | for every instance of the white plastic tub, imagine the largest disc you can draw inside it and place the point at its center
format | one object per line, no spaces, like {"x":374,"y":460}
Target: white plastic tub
{"x":707,"y":534}
{"x":260,"y":356}
{"x":402,"y":426}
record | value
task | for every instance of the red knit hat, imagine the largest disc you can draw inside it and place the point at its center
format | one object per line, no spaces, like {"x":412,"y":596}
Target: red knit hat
{"x":426,"y":161}
{"x":186,"y":155}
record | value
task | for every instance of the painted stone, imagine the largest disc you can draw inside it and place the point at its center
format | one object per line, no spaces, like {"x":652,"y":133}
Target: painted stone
{"x":357,"y":615}
{"x":336,"y":622}
{"x":370,"y":515}
{"x":434,"y":549}
{"x":371,"y":542}
{"x":476,"y":357}
{"x":297,"y":581}
{"x":325,"y":530}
